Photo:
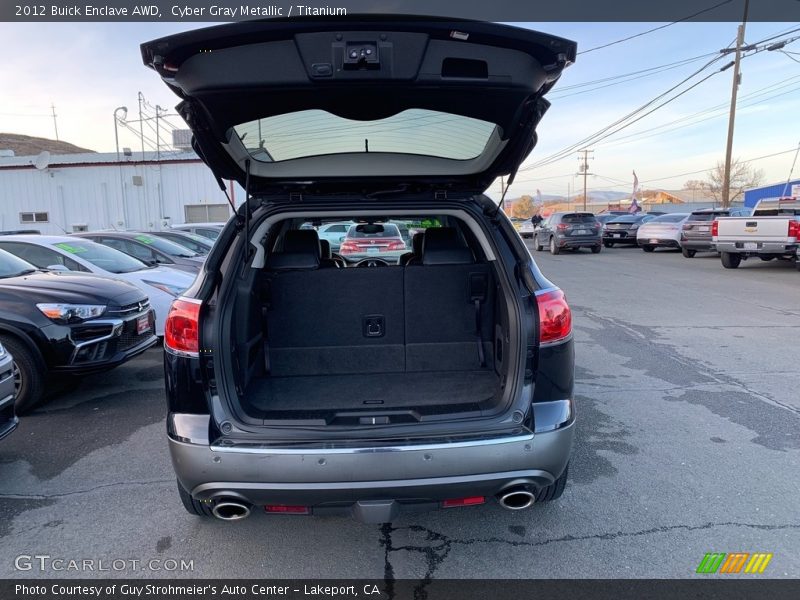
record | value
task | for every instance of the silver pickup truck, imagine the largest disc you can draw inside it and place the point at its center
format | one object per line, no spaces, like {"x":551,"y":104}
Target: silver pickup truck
{"x":773,"y":231}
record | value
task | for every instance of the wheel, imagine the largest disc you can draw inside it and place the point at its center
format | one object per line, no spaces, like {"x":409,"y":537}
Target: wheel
{"x":596,"y":249}
{"x":608,"y":244}
{"x":688,"y":253}
{"x":555,"y":489}
{"x":536,"y":243}
{"x":28,"y":375}
{"x":766,"y":258}
{"x":192,"y":506}
{"x":648,"y":248}
{"x":730,"y":260}
{"x":553,"y":248}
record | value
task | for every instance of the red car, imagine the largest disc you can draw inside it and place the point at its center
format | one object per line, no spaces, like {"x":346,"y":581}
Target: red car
{"x":371,"y":241}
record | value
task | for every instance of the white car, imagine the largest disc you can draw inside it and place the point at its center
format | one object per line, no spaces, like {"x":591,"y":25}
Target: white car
{"x":334,"y":233}
{"x":526,"y":229}
{"x":161,"y":284}
{"x":663,"y":231}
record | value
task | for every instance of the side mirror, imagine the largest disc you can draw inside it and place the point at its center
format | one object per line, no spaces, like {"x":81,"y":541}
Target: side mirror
{"x":57,"y":268}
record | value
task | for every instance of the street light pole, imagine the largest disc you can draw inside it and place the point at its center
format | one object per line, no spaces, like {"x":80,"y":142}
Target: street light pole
{"x":124,"y":111}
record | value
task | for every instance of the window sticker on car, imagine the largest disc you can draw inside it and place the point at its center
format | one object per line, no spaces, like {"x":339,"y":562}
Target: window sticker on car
{"x":70,"y":248}
{"x":144,"y":239}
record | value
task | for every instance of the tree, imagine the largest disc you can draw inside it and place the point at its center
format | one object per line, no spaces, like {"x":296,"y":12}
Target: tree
{"x":742,"y":177}
{"x":695,"y":185}
{"x":523,"y":208}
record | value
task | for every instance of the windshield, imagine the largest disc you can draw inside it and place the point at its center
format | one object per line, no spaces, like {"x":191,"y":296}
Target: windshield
{"x":165,"y":246}
{"x":101,"y":256}
{"x":317,"y":132}
{"x":190,"y":241}
{"x":11,"y":266}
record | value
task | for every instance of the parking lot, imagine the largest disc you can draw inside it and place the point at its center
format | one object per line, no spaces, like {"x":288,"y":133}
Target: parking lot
{"x":688,"y":408}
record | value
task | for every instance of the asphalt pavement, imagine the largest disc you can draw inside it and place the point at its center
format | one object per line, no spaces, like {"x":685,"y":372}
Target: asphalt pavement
{"x":688,"y":442}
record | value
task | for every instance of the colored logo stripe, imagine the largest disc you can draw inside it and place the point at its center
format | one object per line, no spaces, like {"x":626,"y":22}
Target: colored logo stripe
{"x":758,"y":562}
{"x":711,"y":562}
{"x":734,"y":562}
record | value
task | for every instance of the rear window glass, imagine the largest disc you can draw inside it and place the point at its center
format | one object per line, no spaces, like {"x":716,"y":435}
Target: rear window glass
{"x":578,"y":218}
{"x":669,"y":218}
{"x":317,"y":132}
{"x":706,"y":216}
{"x":373,"y":231}
{"x":626,"y":219}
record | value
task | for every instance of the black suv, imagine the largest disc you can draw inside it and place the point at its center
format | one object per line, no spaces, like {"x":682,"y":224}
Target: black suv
{"x":64,"y":324}
{"x":298,"y":385}
{"x":569,"y":231}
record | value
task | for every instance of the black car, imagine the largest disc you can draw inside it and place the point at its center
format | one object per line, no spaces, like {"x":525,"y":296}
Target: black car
{"x":66,"y":324}
{"x":622,"y":230}
{"x":149,"y":249}
{"x":376,"y":388}
{"x":8,"y":415}
{"x":568,"y":231}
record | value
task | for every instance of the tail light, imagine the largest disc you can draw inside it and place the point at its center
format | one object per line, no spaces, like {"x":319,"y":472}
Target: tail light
{"x":468,"y":501}
{"x":347,"y":247}
{"x":562,"y":226}
{"x":794,"y":229}
{"x":397,"y":245}
{"x":181,"y":329}
{"x":715,"y":228}
{"x":555,"y":317}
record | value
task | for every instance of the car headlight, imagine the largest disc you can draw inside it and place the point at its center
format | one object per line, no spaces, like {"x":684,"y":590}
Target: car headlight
{"x":71,"y":313}
{"x":172,"y":290}
{"x":634,"y":227}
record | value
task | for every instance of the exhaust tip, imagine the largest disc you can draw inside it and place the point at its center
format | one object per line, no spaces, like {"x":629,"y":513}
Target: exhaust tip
{"x":231,"y":510}
{"x":517,"y":499}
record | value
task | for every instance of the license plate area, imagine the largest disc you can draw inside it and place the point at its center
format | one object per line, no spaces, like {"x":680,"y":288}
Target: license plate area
{"x":142,"y":324}
{"x":373,"y":250}
{"x":750,"y":245}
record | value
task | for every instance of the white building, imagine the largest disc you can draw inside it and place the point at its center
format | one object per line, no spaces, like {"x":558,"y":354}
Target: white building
{"x":80,"y":192}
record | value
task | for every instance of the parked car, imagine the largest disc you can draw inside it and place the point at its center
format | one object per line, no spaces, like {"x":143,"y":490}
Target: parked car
{"x":149,"y":249}
{"x":696,"y":230}
{"x":371,"y":241}
{"x":334,"y":233}
{"x":8,"y":415}
{"x":663,"y":231}
{"x":622,"y":229}
{"x":568,"y":231}
{"x":526,"y":229}
{"x":56,"y":324}
{"x":68,"y":253}
{"x":191,"y":241}
{"x":773,"y":231}
{"x":367,"y":391}
{"x":208,"y":230}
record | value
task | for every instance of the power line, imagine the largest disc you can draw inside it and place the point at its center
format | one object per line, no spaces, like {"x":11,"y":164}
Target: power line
{"x":631,"y":37}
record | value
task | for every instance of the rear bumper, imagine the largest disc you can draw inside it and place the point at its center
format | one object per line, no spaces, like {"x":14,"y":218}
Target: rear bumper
{"x":699,"y":245}
{"x":619,"y":238}
{"x":582,"y":242}
{"x":779,"y":248}
{"x":658,"y":242}
{"x":327,"y":479}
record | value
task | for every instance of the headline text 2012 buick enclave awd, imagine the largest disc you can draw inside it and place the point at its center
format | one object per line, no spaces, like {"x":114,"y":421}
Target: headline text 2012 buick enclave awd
{"x":302,"y":383}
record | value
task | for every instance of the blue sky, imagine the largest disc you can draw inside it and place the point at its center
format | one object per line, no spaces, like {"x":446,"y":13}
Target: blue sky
{"x":88,"y":70}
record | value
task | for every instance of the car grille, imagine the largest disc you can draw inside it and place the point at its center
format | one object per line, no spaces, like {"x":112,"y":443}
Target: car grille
{"x":129,"y":338}
{"x":129,"y":309}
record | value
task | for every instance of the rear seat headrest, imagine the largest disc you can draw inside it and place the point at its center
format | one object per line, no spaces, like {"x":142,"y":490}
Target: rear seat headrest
{"x":443,"y":246}
{"x":301,"y":250}
{"x":416,"y":243}
{"x":325,"y":247}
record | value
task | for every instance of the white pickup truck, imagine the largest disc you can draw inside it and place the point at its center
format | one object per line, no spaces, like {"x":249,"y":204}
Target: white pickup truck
{"x":773,"y":231}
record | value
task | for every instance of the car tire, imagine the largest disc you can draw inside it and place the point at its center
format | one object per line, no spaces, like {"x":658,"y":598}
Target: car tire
{"x":536,"y":244}
{"x":554,"y":249}
{"x":766,"y":258}
{"x":596,"y":249}
{"x":192,"y":506}
{"x":28,"y":375}
{"x":648,"y":248}
{"x":555,"y":489}
{"x":608,"y":244}
{"x":730,"y":260}
{"x":688,"y":253}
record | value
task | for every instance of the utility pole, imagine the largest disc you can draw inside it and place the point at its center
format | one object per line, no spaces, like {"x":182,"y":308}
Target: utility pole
{"x":583,"y":168}
{"x":726,"y":179}
{"x":55,"y":123}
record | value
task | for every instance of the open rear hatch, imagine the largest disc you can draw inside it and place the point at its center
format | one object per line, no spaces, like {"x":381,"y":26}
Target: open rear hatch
{"x":361,"y":104}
